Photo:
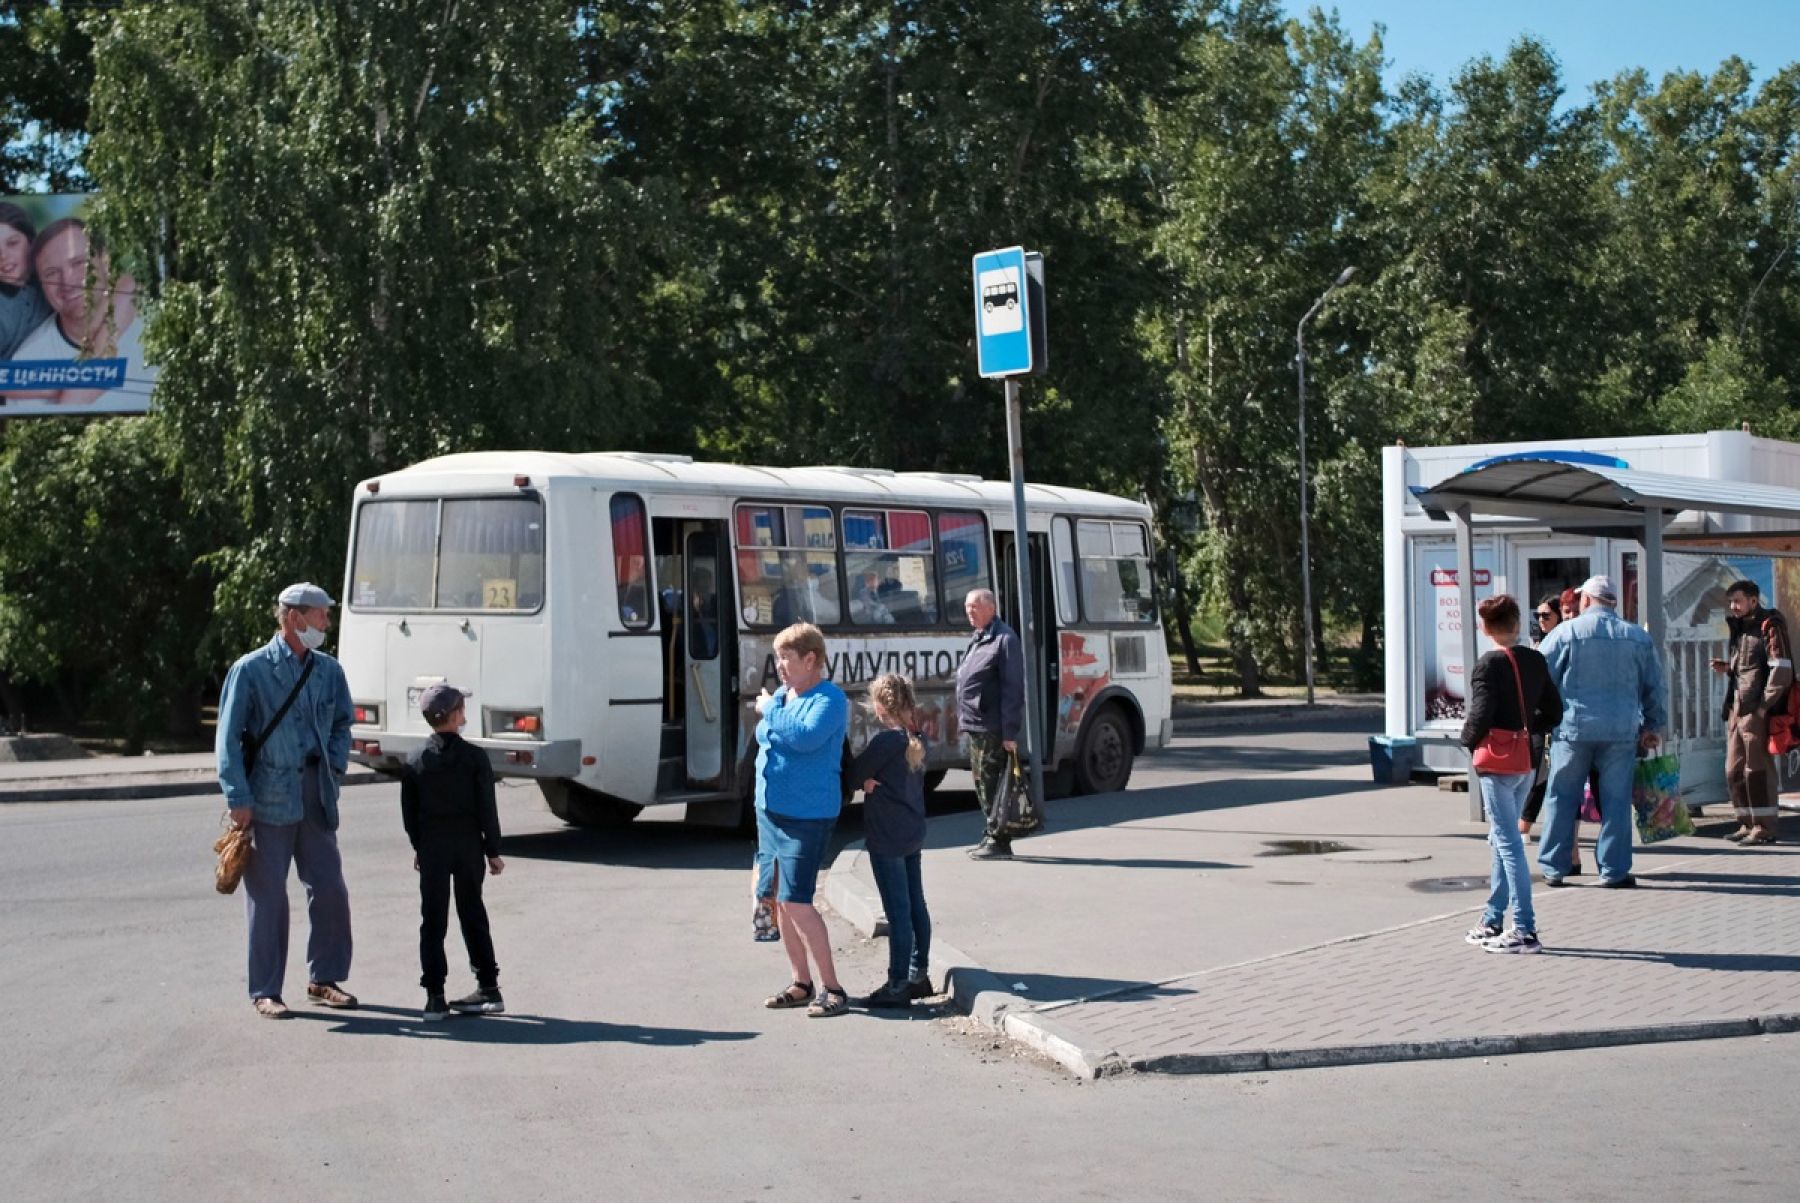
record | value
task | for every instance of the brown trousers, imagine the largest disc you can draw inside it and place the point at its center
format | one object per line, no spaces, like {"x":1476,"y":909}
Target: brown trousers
{"x":1750,"y":771}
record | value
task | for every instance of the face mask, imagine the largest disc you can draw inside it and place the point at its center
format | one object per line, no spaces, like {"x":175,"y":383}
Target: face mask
{"x":311,"y":638}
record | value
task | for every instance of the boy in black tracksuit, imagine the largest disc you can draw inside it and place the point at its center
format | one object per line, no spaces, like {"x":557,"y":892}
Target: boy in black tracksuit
{"x":447,"y":804}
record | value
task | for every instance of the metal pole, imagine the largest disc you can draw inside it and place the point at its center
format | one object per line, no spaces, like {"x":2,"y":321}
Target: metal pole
{"x":1015,"y":446}
{"x":1465,"y":593}
{"x":1305,"y":550}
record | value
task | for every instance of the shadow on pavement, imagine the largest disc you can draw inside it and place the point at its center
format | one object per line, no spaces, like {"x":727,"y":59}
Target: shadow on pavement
{"x":1122,"y":862}
{"x":1250,"y":757}
{"x":652,"y":845}
{"x":1738,"y":962}
{"x":1043,"y":988}
{"x":1733,"y":883}
{"x":510,"y":1029}
{"x":1135,"y":806}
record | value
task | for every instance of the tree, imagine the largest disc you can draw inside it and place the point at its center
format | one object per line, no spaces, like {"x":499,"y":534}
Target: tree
{"x":1257,"y":163}
{"x":382,"y":236}
{"x":104,"y":590}
{"x":44,"y":93}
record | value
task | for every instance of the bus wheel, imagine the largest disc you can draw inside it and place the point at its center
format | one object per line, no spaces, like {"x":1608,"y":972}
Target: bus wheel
{"x":1103,"y":761}
{"x":934,"y":780}
{"x":579,"y":806}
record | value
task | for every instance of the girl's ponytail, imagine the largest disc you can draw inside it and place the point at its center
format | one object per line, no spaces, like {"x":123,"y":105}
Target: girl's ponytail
{"x":895,"y":693}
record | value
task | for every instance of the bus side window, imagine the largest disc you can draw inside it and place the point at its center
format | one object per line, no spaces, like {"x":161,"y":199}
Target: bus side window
{"x":963,"y":560}
{"x":1063,"y":545}
{"x":631,"y":560}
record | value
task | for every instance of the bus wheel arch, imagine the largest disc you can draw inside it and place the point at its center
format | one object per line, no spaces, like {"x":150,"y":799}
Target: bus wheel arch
{"x":580,"y":806}
{"x":1112,"y":734}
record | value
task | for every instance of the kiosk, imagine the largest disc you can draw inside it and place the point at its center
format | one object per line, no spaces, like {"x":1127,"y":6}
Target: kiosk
{"x":1674,"y":517}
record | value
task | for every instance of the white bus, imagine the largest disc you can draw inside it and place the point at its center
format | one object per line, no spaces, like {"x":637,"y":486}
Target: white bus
{"x":614,"y":615}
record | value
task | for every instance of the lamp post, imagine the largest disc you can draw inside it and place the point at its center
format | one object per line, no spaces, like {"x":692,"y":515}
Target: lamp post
{"x":1305,"y":550}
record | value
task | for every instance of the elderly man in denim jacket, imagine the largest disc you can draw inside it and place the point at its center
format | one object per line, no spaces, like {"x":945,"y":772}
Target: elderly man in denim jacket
{"x":1615,"y":704}
{"x":287,"y":794}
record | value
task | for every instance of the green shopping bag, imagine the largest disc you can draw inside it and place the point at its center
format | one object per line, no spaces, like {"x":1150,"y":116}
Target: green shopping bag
{"x":1656,"y":799}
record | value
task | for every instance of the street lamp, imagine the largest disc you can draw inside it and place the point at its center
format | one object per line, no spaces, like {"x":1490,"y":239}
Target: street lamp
{"x":1305,"y":551}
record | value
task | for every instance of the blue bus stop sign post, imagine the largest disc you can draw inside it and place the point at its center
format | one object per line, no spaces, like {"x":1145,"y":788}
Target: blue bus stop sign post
{"x":1010,"y":342}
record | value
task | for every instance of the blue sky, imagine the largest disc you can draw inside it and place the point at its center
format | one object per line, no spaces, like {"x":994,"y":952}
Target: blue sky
{"x":1592,"y":39}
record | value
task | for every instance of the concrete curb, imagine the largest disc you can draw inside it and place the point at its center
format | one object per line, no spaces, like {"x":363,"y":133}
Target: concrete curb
{"x":1328,"y":1056}
{"x":973,"y":989}
{"x":187,"y":786}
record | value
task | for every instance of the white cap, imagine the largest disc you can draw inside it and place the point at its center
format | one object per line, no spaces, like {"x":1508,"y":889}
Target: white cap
{"x":305,"y":595}
{"x":1600,"y":587}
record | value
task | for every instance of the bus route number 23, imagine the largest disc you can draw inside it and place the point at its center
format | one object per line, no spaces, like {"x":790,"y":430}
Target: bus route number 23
{"x":499,"y":594}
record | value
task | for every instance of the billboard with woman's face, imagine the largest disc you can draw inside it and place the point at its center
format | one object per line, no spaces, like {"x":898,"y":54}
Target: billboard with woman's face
{"x":71,"y":320}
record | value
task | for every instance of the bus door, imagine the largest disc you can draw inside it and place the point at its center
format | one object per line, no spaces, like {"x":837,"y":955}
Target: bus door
{"x":705,"y":631}
{"x":1041,"y":658}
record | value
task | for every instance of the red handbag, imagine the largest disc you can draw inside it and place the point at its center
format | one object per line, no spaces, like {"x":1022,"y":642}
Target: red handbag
{"x":1507,"y":751}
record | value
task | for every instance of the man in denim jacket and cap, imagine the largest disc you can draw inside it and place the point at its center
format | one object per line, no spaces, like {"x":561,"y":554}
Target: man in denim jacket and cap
{"x":287,"y":794}
{"x":1615,"y":704}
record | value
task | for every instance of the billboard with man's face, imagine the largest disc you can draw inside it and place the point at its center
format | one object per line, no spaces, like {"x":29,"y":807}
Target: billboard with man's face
{"x":71,"y":319}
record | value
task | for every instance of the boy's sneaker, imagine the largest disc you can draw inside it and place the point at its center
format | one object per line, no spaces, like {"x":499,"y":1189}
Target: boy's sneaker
{"x":1481,"y":933}
{"x":435,"y":1008}
{"x":919,"y":987}
{"x":1513,"y":940}
{"x":485,"y":1001}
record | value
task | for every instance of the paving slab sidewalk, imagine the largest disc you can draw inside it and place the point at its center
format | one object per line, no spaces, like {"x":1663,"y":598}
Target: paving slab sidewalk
{"x":1206,"y":958}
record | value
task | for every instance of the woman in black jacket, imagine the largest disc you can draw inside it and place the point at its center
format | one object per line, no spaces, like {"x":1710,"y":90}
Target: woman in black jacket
{"x":1502,"y":680}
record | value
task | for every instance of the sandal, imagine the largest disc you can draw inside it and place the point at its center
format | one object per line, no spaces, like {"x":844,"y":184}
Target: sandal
{"x":830,"y":1002}
{"x":787,"y":999}
{"x":1757,"y":837}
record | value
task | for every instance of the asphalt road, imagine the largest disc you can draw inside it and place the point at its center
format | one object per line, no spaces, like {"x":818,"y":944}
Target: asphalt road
{"x":637,"y":1063}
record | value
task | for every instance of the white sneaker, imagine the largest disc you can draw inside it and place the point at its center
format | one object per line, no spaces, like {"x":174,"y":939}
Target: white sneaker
{"x":1513,"y":940}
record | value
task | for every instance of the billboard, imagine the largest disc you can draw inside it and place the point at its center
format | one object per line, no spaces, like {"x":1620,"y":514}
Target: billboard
{"x":71,"y":319}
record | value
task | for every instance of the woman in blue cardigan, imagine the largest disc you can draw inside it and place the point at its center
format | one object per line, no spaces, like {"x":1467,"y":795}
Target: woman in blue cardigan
{"x":800,"y":742}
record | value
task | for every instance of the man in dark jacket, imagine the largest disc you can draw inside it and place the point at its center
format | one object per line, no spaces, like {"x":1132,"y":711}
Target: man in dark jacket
{"x":990,"y":709}
{"x":447,"y":804}
{"x":1758,"y":673}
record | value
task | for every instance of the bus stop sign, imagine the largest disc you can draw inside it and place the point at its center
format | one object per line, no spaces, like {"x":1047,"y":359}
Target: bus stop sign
{"x":1009,"y":312}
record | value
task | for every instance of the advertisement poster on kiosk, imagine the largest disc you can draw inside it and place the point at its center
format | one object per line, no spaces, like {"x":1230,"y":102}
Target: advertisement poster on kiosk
{"x":71,"y":317}
{"x":1438,"y":623}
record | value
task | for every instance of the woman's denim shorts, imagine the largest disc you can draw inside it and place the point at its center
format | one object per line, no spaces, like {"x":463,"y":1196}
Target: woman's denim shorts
{"x":797,"y":848}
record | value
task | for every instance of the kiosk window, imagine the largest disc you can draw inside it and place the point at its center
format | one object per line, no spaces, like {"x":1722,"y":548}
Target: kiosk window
{"x":787,"y":565}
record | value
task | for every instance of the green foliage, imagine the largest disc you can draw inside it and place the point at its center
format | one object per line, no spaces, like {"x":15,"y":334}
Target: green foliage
{"x":102,"y":592}
{"x":45,"y":47}
{"x":384,"y":237}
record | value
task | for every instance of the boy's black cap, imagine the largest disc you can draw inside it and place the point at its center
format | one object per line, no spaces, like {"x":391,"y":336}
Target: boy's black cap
{"x":439,"y":700}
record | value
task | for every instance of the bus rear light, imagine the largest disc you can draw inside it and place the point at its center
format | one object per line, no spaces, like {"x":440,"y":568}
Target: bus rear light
{"x":368,"y":747}
{"x":513,"y":724}
{"x":518,"y":757}
{"x":368,"y":716}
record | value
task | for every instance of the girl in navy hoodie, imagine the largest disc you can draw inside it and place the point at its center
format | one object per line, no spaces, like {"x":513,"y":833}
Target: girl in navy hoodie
{"x":892,"y":772}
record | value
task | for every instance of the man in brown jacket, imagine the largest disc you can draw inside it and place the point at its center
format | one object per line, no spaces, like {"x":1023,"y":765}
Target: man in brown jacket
{"x":1758,"y":673}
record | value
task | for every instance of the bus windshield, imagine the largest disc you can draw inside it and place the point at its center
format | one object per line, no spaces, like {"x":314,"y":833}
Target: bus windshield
{"x":459,"y":553}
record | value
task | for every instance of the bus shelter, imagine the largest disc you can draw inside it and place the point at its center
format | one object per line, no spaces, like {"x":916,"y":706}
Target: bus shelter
{"x":1597,"y":495}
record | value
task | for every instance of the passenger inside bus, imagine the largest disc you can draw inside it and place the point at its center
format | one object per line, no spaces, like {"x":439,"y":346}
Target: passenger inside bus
{"x":866,"y":605}
{"x":803,"y":597}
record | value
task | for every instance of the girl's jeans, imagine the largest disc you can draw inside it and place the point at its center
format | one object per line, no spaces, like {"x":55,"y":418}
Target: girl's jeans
{"x":909,"y":923}
{"x":1503,"y":794}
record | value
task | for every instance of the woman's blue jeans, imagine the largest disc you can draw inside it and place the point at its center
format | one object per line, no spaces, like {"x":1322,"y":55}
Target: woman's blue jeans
{"x":1503,"y":794}
{"x":909,"y":923}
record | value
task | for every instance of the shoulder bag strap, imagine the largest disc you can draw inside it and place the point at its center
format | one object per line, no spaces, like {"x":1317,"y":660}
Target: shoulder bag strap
{"x":1519,"y":680}
{"x":282,"y":713}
